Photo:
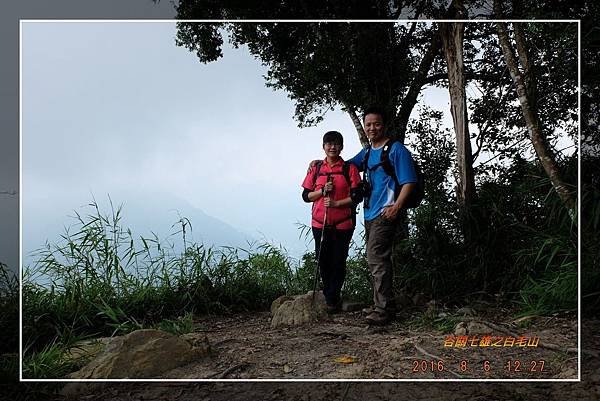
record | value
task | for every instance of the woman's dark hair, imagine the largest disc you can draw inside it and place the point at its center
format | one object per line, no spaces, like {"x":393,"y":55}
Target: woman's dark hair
{"x":376,"y":110}
{"x":333,"y":137}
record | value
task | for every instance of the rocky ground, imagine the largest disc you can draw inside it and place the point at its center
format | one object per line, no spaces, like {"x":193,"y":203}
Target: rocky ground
{"x":246,"y":347}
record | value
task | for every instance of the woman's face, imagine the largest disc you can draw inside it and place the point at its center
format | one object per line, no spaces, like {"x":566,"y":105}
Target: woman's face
{"x":332,"y":149}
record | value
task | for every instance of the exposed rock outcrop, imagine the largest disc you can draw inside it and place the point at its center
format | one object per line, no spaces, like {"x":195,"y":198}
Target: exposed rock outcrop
{"x":298,"y":310}
{"x":144,"y":354}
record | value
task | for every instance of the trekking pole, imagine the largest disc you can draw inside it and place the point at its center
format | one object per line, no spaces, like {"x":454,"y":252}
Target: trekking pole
{"x":329,"y":179}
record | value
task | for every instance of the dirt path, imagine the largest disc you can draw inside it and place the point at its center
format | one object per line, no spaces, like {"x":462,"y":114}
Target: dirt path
{"x":246,"y":347}
{"x":247,"y":343}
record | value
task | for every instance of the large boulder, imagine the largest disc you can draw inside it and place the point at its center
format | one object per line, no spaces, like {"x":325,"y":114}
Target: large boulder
{"x":144,"y":354}
{"x":298,"y":310}
{"x":277,"y":303}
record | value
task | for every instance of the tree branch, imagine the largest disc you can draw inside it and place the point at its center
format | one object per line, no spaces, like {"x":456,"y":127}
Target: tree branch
{"x":362,"y":137}
{"x":409,"y":101}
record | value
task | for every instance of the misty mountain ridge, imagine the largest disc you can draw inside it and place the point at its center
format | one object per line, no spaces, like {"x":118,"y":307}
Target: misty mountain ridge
{"x":145,"y":214}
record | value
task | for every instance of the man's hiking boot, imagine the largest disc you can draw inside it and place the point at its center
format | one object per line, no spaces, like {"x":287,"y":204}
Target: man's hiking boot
{"x":391,"y":312}
{"x":369,"y":309}
{"x":378,"y":318}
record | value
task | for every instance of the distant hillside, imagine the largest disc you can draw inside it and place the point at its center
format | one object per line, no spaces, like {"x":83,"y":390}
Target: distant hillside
{"x":143,"y":213}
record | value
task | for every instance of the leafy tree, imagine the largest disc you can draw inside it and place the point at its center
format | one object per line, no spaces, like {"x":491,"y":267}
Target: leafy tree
{"x":526,"y":86}
{"x":328,"y":65}
{"x":321,"y":65}
{"x":336,"y":64}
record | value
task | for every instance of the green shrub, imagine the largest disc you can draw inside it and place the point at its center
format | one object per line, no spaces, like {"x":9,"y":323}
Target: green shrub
{"x":102,"y":281}
{"x":9,"y":322}
{"x":181,"y":325}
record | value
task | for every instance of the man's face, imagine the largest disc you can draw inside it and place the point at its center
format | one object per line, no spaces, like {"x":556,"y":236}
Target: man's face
{"x":374,"y":127}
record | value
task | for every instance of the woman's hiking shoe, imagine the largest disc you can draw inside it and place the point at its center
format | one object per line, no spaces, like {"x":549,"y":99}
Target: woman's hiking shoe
{"x":378,"y":318}
{"x":333,"y":308}
{"x":370,"y":309}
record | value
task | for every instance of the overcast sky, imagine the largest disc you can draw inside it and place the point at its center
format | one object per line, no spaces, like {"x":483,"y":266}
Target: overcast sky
{"x":117,"y":108}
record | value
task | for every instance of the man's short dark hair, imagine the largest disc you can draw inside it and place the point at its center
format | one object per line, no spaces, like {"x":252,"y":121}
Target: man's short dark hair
{"x":376,"y":110}
{"x":333,"y":137}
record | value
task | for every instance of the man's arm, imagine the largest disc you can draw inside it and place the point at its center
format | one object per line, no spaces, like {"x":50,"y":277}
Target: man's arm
{"x":391,"y":212}
{"x":407,"y":177}
{"x":357,"y":160}
{"x":403,"y":164}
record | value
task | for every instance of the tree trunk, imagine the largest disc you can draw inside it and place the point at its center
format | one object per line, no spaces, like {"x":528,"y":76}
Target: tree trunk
{"x":362,"y":137}
{"x":410,"y":100}
{"x":534,"y":126}
{"x":455,"y":10}
{"x":452,"y":40}
{"x":528,"y":73}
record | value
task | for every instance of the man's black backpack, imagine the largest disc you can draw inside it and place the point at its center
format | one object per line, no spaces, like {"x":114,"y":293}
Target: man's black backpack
{"x":346,"y":174}
{"x":418,"y":192}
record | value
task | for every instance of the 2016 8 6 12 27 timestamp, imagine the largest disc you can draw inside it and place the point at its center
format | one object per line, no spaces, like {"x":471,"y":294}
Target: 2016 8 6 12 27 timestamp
{"x":420,"y":366}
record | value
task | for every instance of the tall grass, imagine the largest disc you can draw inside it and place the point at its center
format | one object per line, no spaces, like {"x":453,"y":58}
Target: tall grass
{"x":550,"y":253}
{"x":9,"y":322}
{"x":590,"y":240}
{"x":523,"y":247}
{"x":101,"y":280}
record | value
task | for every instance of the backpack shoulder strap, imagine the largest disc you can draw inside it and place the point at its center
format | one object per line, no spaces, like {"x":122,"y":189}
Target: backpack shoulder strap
{"x":317,"y":170}
{"x":385,"y":154}
{"x":353,"y":210}
{"x":346,"y":172}
{"x":365,"y":161}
